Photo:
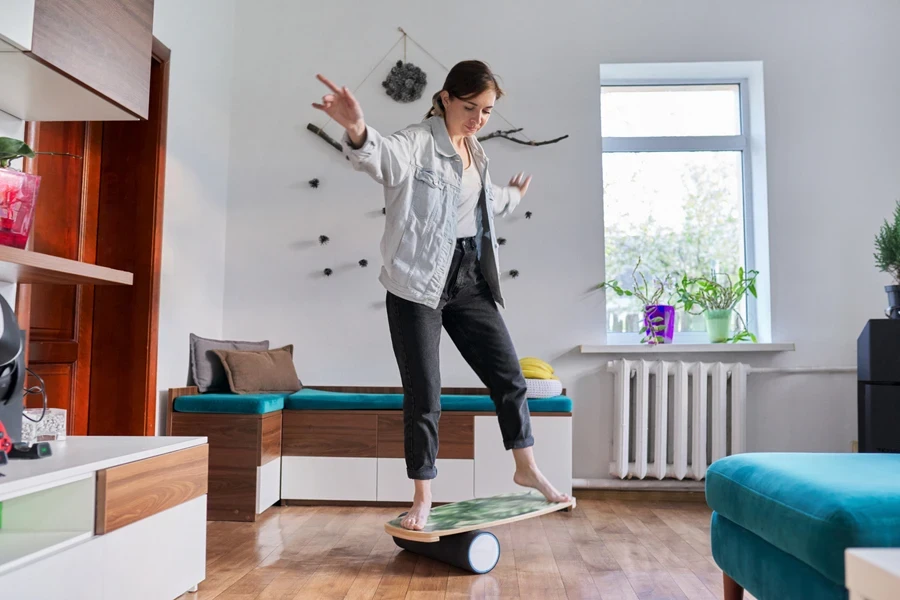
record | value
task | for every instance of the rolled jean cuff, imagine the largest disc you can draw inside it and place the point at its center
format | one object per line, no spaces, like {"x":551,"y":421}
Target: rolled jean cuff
{"x":423,"y":473}
{"x":520,"y":443}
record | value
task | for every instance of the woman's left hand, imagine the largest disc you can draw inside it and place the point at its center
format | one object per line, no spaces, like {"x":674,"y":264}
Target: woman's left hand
{"x":521,"y":182}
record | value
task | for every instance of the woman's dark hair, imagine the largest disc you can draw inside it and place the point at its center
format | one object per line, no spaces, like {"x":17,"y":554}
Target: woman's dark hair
{"x":466,"y":79}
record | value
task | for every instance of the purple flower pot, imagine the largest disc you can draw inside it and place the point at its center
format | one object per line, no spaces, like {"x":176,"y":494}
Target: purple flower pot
{"x":651,"y":315}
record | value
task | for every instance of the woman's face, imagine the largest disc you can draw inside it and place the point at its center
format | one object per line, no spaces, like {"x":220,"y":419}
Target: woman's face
{"x":466,"y":116}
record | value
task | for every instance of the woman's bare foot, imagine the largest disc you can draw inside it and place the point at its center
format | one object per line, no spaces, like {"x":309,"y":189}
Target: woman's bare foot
{"x":417,"y":516}
{"x":528,"y":475}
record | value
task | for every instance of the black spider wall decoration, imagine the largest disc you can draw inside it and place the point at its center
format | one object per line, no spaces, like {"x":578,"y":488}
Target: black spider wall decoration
{"x":528,"y":214}
{"x":314,"y":183}
{"x":364,"y":263}
{"x":324,"y":239}
{"x":514,"y":273}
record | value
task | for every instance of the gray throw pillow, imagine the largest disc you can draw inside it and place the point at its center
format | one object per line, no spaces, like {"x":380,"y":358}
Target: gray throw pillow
{"x":207,"y":372}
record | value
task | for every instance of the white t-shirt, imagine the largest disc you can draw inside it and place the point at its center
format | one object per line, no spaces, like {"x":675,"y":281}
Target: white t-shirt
{"x":468,"y":201}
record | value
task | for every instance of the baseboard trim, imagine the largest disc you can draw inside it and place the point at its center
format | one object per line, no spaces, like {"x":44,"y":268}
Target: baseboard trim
{"x":639,"y":485}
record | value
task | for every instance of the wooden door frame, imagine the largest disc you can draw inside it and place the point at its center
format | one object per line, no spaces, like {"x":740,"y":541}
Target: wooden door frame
{"x":162,"y":54}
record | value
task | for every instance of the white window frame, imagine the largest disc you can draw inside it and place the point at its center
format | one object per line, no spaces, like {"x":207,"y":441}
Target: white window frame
{"x":751,"y":143}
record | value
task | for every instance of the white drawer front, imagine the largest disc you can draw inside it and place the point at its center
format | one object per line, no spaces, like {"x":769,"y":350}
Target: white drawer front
{"x":495,"y":466}
{"x":76,"y":574}
{"x":161,"y":556}
{"x":268,"y":484}
{"x":328,"y":478}
{"x":455,"y":480}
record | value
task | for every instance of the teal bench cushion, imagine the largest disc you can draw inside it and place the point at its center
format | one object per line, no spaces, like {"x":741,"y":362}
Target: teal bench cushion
{"x":313,"y":399}
{"x":231,"y":404}
{"x":811,"y":505}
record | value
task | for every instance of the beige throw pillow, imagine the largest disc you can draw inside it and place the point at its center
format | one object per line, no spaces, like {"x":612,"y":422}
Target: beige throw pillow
{"x":260,"y":371}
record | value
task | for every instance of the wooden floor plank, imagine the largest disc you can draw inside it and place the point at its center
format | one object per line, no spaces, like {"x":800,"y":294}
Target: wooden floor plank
{"x":607,"y":548}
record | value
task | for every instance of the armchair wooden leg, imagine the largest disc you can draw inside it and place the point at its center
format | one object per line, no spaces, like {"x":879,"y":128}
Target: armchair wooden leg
{"x":732,"y":590}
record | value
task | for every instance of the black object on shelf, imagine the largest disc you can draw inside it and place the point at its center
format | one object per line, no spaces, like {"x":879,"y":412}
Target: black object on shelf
{"x":12,"y":372}
{"x":36,"y":450}
{"x":878,"y":386}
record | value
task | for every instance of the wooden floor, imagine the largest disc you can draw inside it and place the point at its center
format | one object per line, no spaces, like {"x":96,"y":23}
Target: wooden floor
{"x":605,"y":548}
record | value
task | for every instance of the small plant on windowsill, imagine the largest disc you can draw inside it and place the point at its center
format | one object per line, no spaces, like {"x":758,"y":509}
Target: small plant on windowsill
{"x":659,"y":319}
{"x":717,"y":303}
{"x":887,"y":259}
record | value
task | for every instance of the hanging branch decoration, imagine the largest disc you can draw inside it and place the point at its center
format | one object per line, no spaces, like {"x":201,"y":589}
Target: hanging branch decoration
{"x":507,"y":135}
{"x":406,"y":82}
{"x":321,"y":133}
{"x":314,"y":183}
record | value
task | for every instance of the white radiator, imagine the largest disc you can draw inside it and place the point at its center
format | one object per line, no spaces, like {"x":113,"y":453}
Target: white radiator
{"x":673,"y":419}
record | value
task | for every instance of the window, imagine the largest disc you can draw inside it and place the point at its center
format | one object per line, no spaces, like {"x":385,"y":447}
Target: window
{"x":683,"y":184}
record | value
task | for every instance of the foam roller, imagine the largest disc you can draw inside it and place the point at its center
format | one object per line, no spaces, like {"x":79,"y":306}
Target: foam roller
{"x":476,"y":551}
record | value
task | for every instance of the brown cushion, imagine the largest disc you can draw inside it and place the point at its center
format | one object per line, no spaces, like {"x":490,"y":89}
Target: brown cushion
{"x":256,"y":371}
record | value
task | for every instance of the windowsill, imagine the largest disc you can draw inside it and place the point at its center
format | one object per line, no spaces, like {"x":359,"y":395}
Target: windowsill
{"x":706,"y":348}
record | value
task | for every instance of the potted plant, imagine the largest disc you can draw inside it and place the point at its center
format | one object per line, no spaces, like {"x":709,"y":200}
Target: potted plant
{"x":887,"y":258}
{"x":659,"y":319}
{"x":717,"y":303}
{"x":18,"y":192}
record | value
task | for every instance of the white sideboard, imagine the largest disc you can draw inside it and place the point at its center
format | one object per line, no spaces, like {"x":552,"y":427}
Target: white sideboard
{"x":104,"y":518}
{"x":872,"y":573}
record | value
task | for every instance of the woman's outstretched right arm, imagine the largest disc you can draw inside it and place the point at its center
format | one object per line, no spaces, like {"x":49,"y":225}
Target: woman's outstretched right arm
{"x":386,"y":159}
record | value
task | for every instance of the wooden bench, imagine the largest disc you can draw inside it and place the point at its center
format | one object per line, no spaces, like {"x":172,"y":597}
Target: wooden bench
{"x":345,"y":445}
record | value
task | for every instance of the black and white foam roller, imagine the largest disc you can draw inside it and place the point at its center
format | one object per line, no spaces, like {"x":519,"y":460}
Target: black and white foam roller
{"x":476,"y":551}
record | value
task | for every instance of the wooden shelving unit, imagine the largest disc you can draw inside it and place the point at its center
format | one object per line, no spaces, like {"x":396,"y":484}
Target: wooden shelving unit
{"x":24,"y":266}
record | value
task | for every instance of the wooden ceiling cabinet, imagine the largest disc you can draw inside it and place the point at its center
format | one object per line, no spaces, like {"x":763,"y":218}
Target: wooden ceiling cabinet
{"x":76,"y":60}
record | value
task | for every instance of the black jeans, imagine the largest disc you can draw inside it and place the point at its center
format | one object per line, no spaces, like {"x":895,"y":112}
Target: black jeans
{"x":469,"y":314}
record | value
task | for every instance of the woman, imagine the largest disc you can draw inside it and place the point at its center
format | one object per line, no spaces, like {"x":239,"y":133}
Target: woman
{"x":440,"y":268}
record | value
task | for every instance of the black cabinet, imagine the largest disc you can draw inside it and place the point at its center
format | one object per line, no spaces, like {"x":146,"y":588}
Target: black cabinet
{"x":878,"y":387}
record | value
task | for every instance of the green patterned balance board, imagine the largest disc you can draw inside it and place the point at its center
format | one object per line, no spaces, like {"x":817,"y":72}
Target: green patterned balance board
{"x":478,"y":513}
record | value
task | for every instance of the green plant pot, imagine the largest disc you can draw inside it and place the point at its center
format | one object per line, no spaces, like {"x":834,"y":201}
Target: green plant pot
{"x":718,"y":325}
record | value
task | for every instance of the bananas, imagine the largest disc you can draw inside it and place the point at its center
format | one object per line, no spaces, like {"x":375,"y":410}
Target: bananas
{"x":535,"y":368}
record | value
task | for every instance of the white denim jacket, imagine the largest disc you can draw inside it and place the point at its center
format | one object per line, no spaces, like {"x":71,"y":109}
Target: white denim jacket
{"x":421,"y":173}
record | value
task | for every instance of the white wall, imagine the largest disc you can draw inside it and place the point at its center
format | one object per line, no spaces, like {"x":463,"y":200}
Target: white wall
{"x":200,"y":35}
{"x":831,"y":88}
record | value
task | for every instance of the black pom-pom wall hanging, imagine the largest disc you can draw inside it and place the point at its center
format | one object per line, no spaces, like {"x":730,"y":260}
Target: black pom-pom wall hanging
{"x":313,"y":183}
{"x":405,"y":82}
{"x":364,"y":263}
{"x":324,"y":239}
{"x":528,"y":214}
{"x":328,"y":272}
{"x":514,"y":273}
{"x":501,"y":241}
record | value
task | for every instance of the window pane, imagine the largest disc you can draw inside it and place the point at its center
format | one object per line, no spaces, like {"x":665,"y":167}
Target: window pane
{"x":679,"y":212}
{"x":648,"y":110}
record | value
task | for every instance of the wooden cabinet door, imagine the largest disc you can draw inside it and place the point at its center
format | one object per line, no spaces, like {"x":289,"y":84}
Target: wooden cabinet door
{"x":59,"y":318}
{"x":103,"y":44}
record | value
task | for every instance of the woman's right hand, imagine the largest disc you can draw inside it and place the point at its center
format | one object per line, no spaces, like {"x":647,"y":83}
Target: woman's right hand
{"x":344,"y":109}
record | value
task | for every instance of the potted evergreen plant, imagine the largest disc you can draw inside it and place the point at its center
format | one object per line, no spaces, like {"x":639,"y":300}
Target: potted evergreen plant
{"x":718,"y":302}
{"x":887,"y":259}
{"x":659,"y":319}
